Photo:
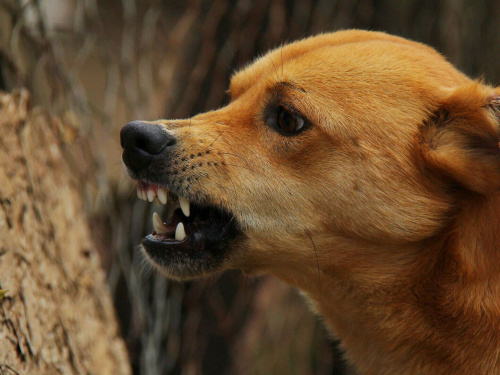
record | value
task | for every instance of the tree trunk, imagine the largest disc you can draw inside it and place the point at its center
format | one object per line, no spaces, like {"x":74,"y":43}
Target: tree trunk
{"x":57,"y":317}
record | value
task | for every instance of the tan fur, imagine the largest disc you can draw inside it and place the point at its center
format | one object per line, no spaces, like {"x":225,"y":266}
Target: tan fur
{"x":385,"y":212}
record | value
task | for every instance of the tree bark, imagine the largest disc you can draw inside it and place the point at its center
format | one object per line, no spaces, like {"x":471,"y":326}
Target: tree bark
{"x":57,"y":317}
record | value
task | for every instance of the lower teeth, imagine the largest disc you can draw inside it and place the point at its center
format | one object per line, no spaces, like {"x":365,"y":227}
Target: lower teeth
{"x":180,"y":233}
{"x":160,"y":228}
{"x":158,"y":224}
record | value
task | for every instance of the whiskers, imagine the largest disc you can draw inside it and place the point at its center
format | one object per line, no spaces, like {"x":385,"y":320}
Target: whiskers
{"x":242,"y":159}
{"x":147,"y":270}
{"x":317,"y":262}
{"x":235,"y":190}
{"x":145,"y":266}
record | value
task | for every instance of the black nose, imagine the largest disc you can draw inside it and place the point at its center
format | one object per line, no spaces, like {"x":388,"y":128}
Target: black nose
{"x":142,"y":143}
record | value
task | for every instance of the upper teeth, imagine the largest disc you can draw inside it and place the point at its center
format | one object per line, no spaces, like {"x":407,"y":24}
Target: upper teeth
{"x":150,"y":192}
{"x":151,"y":195}
{"x":162,"y":195}
{"x":184,"y":206}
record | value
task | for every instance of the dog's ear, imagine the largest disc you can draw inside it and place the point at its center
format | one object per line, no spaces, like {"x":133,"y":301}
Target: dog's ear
{"x":460,"y":141}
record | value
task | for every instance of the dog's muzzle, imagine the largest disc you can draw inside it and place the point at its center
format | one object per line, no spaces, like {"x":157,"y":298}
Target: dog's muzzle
{"x":193,"y":237}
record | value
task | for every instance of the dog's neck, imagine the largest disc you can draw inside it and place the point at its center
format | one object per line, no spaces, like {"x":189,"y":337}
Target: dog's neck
{"x":477,"y":231}
{"x":388,"y":303}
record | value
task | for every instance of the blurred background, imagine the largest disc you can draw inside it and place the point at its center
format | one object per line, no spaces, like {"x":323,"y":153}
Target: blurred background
{"x":95,"y":65}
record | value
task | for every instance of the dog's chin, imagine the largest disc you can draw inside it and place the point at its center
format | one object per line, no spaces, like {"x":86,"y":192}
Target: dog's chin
{"x":186,"y":260}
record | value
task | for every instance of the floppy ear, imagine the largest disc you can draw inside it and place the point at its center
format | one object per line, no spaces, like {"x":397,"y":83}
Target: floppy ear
{"x":461,"y":140}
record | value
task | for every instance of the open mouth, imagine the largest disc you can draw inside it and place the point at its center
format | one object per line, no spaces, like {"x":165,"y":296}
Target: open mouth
{"x":191,"y":238}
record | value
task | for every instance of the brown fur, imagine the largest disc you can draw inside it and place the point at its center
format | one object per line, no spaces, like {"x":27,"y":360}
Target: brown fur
{"x":385,"y":212}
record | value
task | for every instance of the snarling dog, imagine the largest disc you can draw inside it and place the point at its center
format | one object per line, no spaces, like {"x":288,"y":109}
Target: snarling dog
{"x":360,"y":167}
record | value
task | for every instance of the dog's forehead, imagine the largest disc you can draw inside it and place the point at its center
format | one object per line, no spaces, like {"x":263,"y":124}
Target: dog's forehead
{"x":351,"y":60}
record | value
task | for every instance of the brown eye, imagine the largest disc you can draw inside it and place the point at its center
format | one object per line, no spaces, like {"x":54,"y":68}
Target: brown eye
{"x":289,"y":122}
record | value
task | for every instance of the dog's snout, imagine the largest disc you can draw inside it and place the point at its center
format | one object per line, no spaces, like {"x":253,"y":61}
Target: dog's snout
{"x":148,"y":138}
{"x":142,"y":143}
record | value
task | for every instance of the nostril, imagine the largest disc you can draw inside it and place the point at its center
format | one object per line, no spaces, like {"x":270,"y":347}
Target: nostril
{"x":146,"y":144}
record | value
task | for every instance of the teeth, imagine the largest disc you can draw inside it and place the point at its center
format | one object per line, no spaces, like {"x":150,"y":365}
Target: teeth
{"x":162,"y":195}
{"x":141,"y":194}
{"x":151,"y":195}
{"x":158,"y":224}
{"x":154,"y":193}
{"x":180,"y":233}
{"x":184,"y":206}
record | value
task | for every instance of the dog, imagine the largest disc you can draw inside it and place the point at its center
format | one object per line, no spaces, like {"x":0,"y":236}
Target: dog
{"x":360,"y":167}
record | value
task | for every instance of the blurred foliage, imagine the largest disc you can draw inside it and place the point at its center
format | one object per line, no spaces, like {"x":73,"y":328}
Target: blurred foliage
{"x":103,"y":63}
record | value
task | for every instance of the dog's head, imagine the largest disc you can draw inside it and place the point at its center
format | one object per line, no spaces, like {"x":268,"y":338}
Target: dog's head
{"x":350,"y":137}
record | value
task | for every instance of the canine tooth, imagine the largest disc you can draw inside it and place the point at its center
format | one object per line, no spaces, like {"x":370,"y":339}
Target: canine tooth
{"x":184,"y":206}
{"x":180,"y":233}
{"x":158,"y":224}
{"x":162,"y":195}
{"x":151,"y":195}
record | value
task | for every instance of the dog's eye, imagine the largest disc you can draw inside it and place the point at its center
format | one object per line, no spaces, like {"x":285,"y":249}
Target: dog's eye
{"x":289,"y":122}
